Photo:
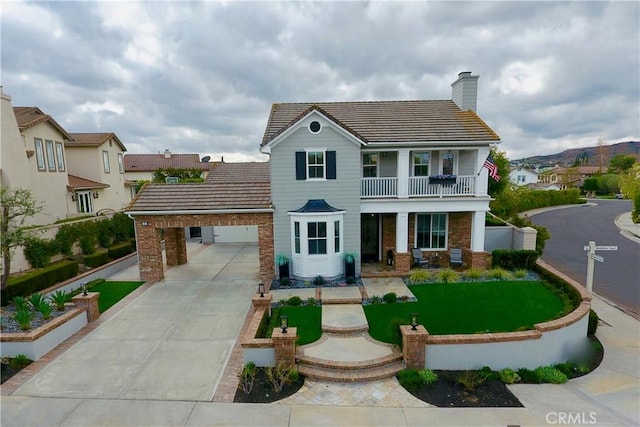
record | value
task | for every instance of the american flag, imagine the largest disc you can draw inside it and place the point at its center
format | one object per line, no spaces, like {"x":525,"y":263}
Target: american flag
{"x":491,"y":167}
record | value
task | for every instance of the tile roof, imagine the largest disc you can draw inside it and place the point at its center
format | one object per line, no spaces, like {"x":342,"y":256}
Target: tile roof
{"x":78,"y":183}
{"x":388,"y":121}
{"x":229,"y":186}
{"x":152,"y":162}
{"x":27,"y":117}
{"x":92,"y":140}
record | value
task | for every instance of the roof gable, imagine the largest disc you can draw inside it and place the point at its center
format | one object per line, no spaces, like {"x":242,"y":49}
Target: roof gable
{"x":28,"y":117}
{"x":153,"y":162}
{"x":93,"y":140}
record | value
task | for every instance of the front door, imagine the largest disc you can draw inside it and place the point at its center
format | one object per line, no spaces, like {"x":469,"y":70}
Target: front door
{"x":369,"y":226}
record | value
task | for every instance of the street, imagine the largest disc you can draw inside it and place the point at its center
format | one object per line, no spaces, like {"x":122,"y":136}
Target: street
{"x":618,"y":277}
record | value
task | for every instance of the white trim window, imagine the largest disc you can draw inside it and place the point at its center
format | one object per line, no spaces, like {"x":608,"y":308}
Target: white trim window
{"x":60,"y":156}
{"x":51,"y":156}
{"x":296,"y":237}
{"x":315,"y":164}
{"x":336,"y":237}
{"x":105,"y":161}
{"x":421,"y":163}
{"x":431,"y":231}
{"x":370,"y":165}
{"x":84,"y":201}
{"x":120,"y":162}
{"x":39,"y":147}
{"x":317,"y":238}
{"x":447,"y":161}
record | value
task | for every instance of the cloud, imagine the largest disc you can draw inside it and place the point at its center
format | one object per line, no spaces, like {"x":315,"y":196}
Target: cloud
{"x":200,"y":77}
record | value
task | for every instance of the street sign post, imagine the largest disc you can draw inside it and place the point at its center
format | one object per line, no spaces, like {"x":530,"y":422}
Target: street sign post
{"x":591,"y":257}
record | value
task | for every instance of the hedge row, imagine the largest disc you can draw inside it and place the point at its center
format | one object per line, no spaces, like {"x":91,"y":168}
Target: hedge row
{"x":97,"y":259}
{"x":38,"y":279}
{"x":513,"y":260}
{"x":120,"y":250}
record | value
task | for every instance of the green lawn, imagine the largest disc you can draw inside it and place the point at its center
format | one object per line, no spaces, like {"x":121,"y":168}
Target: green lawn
{"x":467,"y":308}
{"x":308,"y":320}
{"x":112,"y":292}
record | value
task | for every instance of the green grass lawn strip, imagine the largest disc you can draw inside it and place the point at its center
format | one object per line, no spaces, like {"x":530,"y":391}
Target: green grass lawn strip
{"x":307,"y":320}
{"x":467,"y":308}
{"x":111,"y":292}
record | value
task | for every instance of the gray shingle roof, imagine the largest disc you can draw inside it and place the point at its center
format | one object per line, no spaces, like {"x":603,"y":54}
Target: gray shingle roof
{"x":229,"y":186}
{"x":152,"y":162}
{"x":388,"y":121}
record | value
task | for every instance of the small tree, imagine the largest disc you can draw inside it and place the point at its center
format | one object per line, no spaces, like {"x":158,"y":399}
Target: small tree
{"x":620,"y":163}
{"x":502,"y":162}
{"x":17,"y":205}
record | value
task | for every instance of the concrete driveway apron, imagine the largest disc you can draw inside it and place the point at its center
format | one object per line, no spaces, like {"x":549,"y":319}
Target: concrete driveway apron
{"x":170,"y":343}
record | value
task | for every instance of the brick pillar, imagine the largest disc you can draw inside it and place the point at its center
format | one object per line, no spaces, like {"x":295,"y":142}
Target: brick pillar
{"x":149,"y":251}
{"x":171,"y":246}
{"x":259,"y":302}
{"x":181,"y":246}
{"x":285,"y":346}
{"x":413,"y":346}
{"x":402,"y":262}
{"x":265,"y":251}
{"x":89,"y":303}
{"x":479,"y":260}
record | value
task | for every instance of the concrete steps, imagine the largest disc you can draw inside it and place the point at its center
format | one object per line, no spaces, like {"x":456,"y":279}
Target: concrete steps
{"x":351,"y":375}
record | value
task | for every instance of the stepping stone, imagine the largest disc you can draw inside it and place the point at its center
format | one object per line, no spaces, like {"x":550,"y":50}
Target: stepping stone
{"x":344,"y":318}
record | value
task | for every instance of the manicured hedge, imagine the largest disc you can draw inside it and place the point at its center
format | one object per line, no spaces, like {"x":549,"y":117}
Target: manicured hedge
{"x":120,"y":250}
{"x":97,"y":259}
{"x":513,"y":260}
{"x":564,"y":288}
{"x":39,"y":279}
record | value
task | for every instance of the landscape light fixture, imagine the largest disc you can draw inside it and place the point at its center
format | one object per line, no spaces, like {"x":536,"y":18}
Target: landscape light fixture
{"x":414,"y":321}
{"x":284,"y":323}
{"x":84,"y":289}
{"x":261,"y":289}
{"x":95,"y":195}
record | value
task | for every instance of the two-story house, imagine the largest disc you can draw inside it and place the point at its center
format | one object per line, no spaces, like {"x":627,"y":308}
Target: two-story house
{"x":523,"y":176}
{"x":378,"y":179}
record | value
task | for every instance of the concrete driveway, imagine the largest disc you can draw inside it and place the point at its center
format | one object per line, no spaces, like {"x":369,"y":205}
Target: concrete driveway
{"x":171,"y":343}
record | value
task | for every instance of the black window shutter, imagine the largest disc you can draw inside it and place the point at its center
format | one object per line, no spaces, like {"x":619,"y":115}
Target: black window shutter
{"x":301,"y":165}
{"x":331,"y":165}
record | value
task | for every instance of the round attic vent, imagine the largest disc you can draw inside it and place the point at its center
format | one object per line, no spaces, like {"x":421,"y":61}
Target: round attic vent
{"x":314,"y":127}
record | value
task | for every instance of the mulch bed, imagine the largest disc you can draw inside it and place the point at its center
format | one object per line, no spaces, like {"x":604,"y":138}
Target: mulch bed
{"x":8,"y":371}
{"x":262,"y":391}
{"x":446,"y":393}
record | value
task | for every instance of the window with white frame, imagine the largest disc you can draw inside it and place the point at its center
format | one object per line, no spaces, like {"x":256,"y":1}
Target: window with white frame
{"x":431,"y":231}
{"x":336,"y":236}
{"x":317,"y":238}
{"x":84,"y":199}
{"x":39,"y":154}
{"x":120,"y":162}
{"x":296,"y":237}
{"x":105,"y":161}
{"x":315,"y":164}
{"x":60,"y":156}
{"x":447,"y":163}
{"x":51,"y":156}
{"x":421,"y":164}
{"x":369,"y":165}
{"x":521,"y":178}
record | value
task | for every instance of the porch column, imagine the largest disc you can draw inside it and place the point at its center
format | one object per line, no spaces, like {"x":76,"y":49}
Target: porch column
{"x":149,"y":251}
{"x":477,"y":231}
{"x":403,"y":173}
{"x":482,"y":183}
{"x":181,"y":246}
{"x":170,"y":246}
{"x":402,"y":232}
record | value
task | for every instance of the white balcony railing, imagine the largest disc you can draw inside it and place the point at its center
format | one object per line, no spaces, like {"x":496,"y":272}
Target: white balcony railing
{"x":379,"y":187}
{"x":419,"y":186}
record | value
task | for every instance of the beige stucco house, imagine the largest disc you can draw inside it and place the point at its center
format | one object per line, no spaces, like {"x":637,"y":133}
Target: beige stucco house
{"x":140,"y":167}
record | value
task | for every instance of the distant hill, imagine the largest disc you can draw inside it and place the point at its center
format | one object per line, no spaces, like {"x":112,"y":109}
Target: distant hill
{"x":592,"y":156}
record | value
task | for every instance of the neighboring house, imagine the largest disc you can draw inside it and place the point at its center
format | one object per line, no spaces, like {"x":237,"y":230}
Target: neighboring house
{"x":569,"y":177}
{"x":96,"y":172}
{"x":363,"y":177}
{"x":140,"y":167}
{"x":523,"y":176}
{"x":543,"y":186}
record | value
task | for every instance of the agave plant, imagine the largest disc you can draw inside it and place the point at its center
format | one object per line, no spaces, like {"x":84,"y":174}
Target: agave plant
{"x":59,"y":298}
{"x":36,"y":300}
{"x":23,"y":316}
{"x":20,"y":302}
{"x":45,"y":309}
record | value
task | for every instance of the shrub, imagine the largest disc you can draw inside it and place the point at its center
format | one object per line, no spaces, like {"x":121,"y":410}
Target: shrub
{"x":499,"y":274}
{"x":397,"y":335}
{"x":59,"y":298}
{"x":410,"y":379}
{"x":45,"y":309}
{"x":428,"y":376}
{"x":350,"y":280}
{"x":38,"y":251}
{"x":488,"y":374}
{"x":294,"y":301}
{"x":593,"y":322}
{"x":529,"y":376}
{"x":469,"y":380}
{"x":120,"y":250}
{"x":88,"y":244}
{"x":35,"y":300}
{"x":294,"y":375}
{"x":312,"y":301}
{"x":19,"y":361}
{"x":390,"y":297}
{"x":97,"y":259}
{"x":567,"y":368}
{"x":549,"y":374}
{"x":105,"y":232}
{"x":474,"y":273}
{"x":375,"y":299}
{"x":284,"y":281}
{"x":448,"y":276}
{"x":23,"y":316}
{"x":282,"y":302}
{"x":247,"y":377}
{"x":123,"y":227}
{"x":420,"y":277}
{"x":318,"y":281}
{"x":508,"y":376}
{"x":520,"y":273}
{"x":66,"y":237}
{"x":38,"y":279}
{"x":278,"y":376}
{"x":512,"y":260}
{"x":20,"y":302}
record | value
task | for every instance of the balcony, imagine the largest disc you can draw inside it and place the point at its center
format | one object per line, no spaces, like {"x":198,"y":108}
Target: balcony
{"x":417,"y":186}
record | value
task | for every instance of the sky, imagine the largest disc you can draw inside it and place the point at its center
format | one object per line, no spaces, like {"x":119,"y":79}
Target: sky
{"x":200,"y":77}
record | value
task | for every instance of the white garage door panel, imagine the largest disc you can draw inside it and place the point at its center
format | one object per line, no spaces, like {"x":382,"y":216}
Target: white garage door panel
{"x":235,"y":234}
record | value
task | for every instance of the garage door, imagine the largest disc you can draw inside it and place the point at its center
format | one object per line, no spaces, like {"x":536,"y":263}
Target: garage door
{"x":235,"y":234}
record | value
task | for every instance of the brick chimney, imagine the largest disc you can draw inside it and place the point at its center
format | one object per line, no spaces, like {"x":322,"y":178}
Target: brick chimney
{"x":167,"y":154}
{"x":464,"y":91}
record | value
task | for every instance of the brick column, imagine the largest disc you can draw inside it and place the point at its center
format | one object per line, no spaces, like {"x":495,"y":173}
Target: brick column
{"x":171,"y":246}
{"x":402,"y":262}
{"x":89,"y":303}
{"x":259,"y":302}
{"x":479,"y":260}
{"x":149,"y":251}
{"x":285,"y":346}
{"x":181,"y":246}
{"x":413,"y":346}
{"x":265,"y":251}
